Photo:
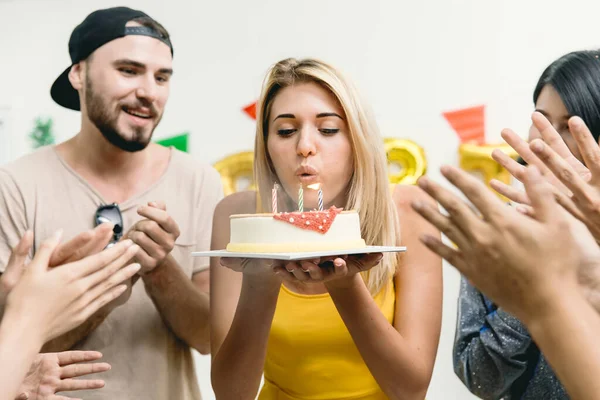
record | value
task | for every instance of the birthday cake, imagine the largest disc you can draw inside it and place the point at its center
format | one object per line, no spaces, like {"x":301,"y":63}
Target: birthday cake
{"x":290,"y":232}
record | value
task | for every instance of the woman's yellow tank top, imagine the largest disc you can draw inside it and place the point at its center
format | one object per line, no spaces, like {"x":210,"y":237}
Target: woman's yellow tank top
{"x":311,"y":355}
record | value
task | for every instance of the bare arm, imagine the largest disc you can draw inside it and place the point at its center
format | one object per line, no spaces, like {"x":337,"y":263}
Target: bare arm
{"x":242,"y":313}
{"x":400,"y":357}
{"x":202,"y":280}
{"x":567,"y":333}
{"x":182,"y":306}
{"x":19,"y":344}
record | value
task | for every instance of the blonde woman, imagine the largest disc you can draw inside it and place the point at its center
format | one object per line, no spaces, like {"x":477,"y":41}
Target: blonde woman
{"x":366,"y":328}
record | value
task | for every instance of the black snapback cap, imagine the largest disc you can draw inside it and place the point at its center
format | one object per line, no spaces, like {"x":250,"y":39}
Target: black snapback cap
{"x":98,"y":28}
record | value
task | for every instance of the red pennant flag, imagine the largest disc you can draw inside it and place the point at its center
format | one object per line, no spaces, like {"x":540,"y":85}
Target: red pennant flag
{"x":250,"y":110}
{"x":468,"y":123}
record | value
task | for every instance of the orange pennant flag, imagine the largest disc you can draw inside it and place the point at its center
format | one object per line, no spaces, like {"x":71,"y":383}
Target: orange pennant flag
{"x":468,"y":123}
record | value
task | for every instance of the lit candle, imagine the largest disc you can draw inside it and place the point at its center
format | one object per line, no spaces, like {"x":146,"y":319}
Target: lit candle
{"x":317,"y":186}
{"x":300,"y":199}
{"x":274,"y":198}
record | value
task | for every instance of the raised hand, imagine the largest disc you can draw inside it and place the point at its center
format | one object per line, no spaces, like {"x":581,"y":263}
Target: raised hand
{"x":518,"y":261}
{"x":51,"y":373}
{"x":60,"y":299}
{"x":555,"y":141}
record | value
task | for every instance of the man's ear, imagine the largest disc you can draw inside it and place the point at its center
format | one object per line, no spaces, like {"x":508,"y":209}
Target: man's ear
{"x":76,"y":76}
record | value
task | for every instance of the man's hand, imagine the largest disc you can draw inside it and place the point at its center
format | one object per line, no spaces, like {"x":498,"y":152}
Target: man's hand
{"x":156,"y":236}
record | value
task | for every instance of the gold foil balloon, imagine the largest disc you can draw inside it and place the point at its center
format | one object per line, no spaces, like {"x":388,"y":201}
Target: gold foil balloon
{"x":478,"y":159}
{"x":237,"y":172}
{"x":406,"y":161}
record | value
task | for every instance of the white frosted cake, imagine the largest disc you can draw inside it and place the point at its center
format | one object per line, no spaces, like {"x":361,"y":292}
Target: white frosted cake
{"x":331,"y":229}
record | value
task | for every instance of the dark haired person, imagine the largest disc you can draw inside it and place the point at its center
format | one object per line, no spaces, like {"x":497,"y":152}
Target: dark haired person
{"x":494,"y":355}
{"x":158,"y":197}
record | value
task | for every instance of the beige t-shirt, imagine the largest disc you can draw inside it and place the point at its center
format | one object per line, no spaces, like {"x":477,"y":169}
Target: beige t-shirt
{"x":41,"y":192}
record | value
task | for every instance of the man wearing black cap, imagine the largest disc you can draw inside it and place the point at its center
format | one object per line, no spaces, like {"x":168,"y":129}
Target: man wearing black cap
{"x":158,"y":197}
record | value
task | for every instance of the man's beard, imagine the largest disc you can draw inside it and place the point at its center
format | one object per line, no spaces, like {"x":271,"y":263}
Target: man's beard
{"x":99,"y":115}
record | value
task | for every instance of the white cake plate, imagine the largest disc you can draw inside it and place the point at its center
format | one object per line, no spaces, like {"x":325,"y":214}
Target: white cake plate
{"x":300,"y":255}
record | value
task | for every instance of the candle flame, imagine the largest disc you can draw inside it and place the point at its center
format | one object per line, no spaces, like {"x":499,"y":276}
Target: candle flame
{"x":314,"y":186}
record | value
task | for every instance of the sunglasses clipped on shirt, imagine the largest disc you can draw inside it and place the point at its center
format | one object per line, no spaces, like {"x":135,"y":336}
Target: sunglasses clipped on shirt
{"x":110,"y":213}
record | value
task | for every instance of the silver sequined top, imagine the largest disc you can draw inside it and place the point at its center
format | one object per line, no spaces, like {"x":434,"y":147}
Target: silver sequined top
{"x":495,"y":357}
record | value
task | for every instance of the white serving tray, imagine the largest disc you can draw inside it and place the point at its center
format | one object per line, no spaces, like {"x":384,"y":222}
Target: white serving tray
{"x":300,"y":255}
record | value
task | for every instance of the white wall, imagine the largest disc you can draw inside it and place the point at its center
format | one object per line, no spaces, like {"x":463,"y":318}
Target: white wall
{"x":412,"y":59}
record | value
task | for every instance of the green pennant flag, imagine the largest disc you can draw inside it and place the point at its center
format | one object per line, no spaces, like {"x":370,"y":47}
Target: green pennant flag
{"x":180,"y":142}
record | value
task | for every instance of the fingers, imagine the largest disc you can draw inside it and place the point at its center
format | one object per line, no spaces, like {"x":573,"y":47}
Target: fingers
{"x":454,"y":257}
{"x":364,"y":262}
{"x":562,"y":170}
{"x":567,"y":203}
{"x":541,"y":194}
{"x":154,"y":232}
{"x":158,"y":204}
{"x":550,"y":136}
{"x":75,"y":370}
{"x":89,"y":309}
{"x":42,"y":257}
{"x":154,"y":249}
{"x":119,"y":253}
{"x":588,"y":147}
{"x":66,"y":250}
{"x":18,"y":256}
{"x":443,"y":223}
{"x":113,"y":276}
{"x":296,"y":269}
{"x":161,"y":218}
{"x":512,"y":166}
{"x":103,"y":234}
{"x":460,"y":213}
{"x":313,"y":270}
{"x":509,"y":192}
{"x":77,"y":356}
{"x":490,"y":206}
{"x":85,"y":243}
{"x":521,"y":147}
{"x":68,"y":385}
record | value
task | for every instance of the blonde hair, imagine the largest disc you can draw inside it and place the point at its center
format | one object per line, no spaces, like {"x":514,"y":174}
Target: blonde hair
{"x":369,"y":191}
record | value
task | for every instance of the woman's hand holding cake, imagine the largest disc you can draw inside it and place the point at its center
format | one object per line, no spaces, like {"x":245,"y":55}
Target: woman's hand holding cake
{"x":330,"y":270}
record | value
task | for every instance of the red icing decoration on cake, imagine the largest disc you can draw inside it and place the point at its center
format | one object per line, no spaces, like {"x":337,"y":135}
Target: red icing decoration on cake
{"x":318,"y":221}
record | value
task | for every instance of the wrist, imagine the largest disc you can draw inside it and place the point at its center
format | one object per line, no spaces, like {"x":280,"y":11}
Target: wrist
{"x":156,"y":274}
{"x":266,"y":282}
{"x":554,"y":307}
{"x":344,"y":283}
{"x":21,"y":330}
